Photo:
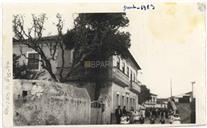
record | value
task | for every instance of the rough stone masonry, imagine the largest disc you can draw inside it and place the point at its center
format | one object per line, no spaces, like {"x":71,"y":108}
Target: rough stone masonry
{"x":38,"y":102}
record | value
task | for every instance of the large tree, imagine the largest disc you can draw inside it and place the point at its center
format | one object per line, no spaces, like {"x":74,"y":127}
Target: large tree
{"x":96,"y":37}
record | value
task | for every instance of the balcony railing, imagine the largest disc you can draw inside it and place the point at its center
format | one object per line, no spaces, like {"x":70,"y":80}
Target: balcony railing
{"x":135,"y":87}
{"x":119,"y":77}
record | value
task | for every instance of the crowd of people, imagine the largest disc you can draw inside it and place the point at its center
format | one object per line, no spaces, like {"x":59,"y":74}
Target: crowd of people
{"x":157,"y":113}
{"x":152,"y":114}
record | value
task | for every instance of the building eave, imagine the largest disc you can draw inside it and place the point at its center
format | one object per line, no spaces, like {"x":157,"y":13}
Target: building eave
{"x":133,"y":60}
{"x":45,"y":38}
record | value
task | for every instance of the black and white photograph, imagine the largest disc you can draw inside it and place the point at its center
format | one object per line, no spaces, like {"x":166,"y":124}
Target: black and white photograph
{"x":137,"y":64}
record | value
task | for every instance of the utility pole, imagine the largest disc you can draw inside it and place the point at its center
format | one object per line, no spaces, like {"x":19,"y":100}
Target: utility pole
{"x":193,"y":82}
{"x":192,"y":105}
{"x":170,"y":87}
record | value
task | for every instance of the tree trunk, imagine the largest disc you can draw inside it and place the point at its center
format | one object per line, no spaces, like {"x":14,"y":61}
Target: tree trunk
{"x":97,"y":90}
{"x":49,"y":69}
{"x":63,"y":62}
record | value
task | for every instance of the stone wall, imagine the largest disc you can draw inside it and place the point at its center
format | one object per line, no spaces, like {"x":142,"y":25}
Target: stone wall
{"x":49,"y":103}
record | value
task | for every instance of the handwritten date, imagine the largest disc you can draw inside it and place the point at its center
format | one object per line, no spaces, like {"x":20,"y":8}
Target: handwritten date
{"x":139,"y":7}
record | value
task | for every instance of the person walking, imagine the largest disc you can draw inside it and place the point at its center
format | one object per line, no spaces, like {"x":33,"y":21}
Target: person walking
{"x":152,"y":120}
{"x":141,"y":120}
{"x":124,"y":111}
{"x":118,"y":114}
{"x":166,"y":113}
{"x":142,"y":112}
{"x":156,"y":113}
{"x":161,"y":113}
{"x":162,"y":120}
{"x":132,"y":112}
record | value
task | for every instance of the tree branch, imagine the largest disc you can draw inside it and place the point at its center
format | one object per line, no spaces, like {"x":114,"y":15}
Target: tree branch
{"x":33,"y":43}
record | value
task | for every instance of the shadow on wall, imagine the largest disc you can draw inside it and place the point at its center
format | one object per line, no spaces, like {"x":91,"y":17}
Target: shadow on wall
{"x":49,"y":103}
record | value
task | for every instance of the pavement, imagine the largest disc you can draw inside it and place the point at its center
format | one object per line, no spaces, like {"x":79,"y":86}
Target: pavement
{"x":157,"y":121}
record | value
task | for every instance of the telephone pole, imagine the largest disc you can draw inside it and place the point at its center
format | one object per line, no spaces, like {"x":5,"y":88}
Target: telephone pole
{"x":193,"y":82}
{"x":170,"y":87}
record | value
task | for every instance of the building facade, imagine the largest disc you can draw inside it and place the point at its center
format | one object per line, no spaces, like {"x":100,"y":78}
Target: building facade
{"x":47,"y":43}
{"x":125,"y":85}
{"x":152,"y":102}
{"x":183,"y":98}
{"x":162,"y":103}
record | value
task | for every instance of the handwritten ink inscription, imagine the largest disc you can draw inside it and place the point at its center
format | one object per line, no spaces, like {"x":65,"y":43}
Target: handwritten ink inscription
{"x":7,"y":88}
{"x":139,"y":7}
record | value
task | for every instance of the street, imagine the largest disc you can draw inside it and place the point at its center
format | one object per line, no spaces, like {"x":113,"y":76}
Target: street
{"x":157,"y":121}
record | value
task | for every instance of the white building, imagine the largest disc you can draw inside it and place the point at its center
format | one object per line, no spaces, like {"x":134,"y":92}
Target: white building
{"x":152,"y":102}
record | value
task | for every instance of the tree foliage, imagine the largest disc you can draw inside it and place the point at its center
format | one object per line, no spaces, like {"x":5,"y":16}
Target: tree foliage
{"x":144,"y":95}
{"x":100,"y":33}
{"x":97,"y":37}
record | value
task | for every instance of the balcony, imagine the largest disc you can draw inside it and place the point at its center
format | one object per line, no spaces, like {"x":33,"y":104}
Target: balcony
{"x":119,"y":77}
{"x":135,"y":87}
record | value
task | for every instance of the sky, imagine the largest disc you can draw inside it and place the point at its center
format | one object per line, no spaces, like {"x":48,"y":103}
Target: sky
{"x":168,"y":43}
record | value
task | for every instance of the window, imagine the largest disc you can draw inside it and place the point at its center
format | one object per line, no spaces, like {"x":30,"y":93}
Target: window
{"x":130,"y":75}
{"x":127,"y":103}
{"x":123,"y":67}
{"x":122,"y":100}
{"x":131,"y":103}
{"x":134,"y":103}
{"x":24,"y":93}
{"x":152,"y":99}
{"x":117,"y":99}
{"x":127,"y":71}
{"x":134,"y":77}
{"x":118,"y":63}
{"x":33,"y":62}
